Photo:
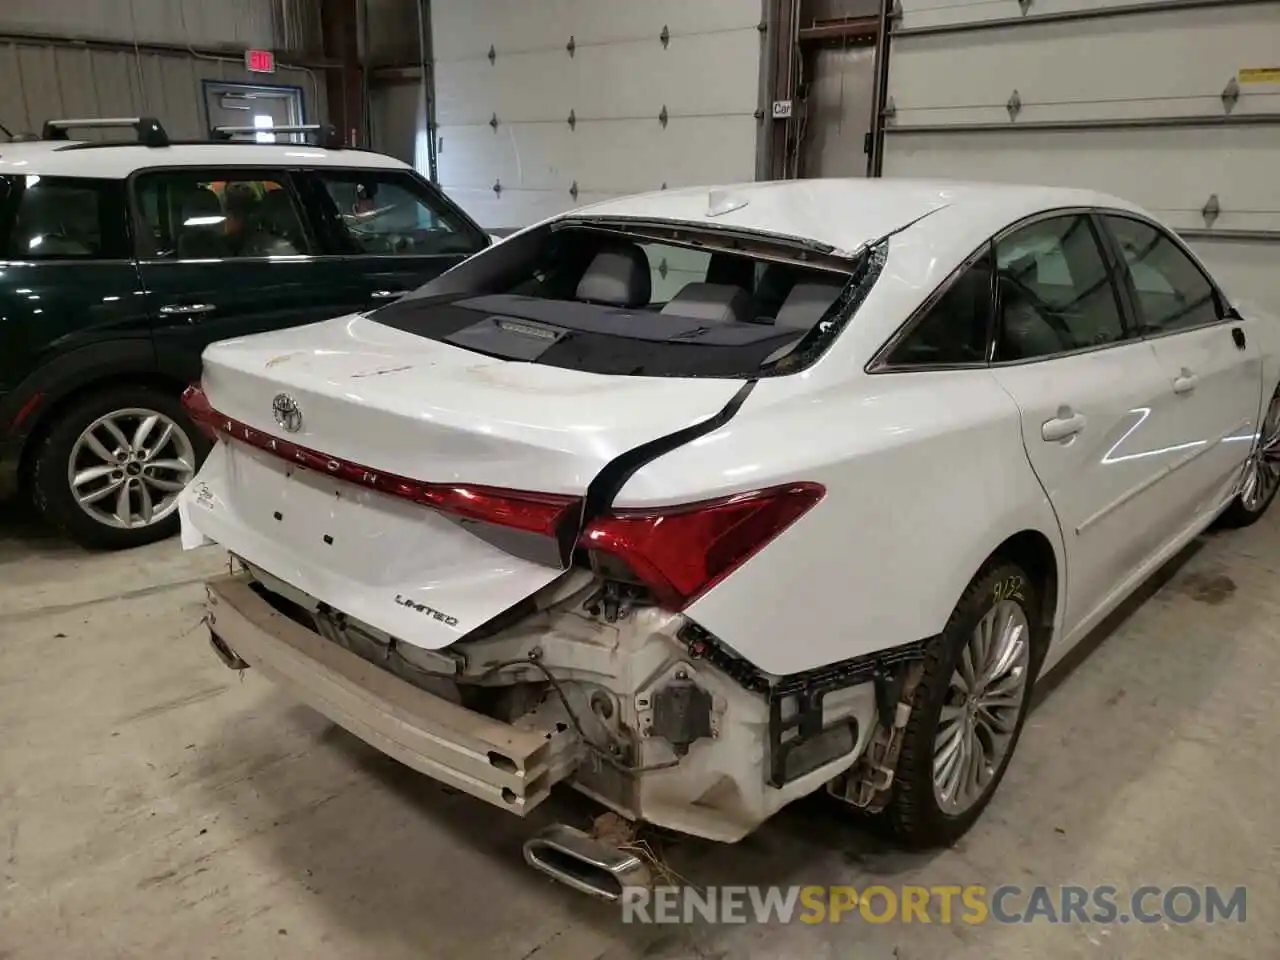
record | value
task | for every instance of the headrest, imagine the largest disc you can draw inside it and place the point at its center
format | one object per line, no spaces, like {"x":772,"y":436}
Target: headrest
{"x":199,"y":201}
{"x":807,"y":302}
{"x":710,"y":302}
{"x":618,"y":276}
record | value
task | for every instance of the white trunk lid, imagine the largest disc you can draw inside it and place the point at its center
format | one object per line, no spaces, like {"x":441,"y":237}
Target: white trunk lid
{"x":397,"y":403}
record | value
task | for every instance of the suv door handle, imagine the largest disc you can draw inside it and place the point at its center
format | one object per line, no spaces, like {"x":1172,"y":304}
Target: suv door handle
{"x":186,"y":309}
{"x":1237,"y":335}
{"x":1185,"y":382}
{"x":386,"y":294}
{"x":1062,"y":427}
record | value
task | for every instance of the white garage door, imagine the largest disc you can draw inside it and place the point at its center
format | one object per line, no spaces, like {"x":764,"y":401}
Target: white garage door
{"x":663,"y":91}
{"x":1173,"y":105}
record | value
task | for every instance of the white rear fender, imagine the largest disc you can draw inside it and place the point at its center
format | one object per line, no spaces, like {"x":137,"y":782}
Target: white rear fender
{"x":912,"y":499}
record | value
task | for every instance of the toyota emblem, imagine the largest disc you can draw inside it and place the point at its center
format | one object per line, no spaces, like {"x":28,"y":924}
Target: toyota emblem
{"x":286,"y":412}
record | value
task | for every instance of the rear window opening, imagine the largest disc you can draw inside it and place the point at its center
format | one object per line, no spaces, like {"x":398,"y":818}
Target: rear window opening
{"x":615,"y":298}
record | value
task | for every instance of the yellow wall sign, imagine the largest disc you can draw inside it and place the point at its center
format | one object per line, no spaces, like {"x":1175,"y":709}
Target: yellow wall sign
{"x":1260,"y":75}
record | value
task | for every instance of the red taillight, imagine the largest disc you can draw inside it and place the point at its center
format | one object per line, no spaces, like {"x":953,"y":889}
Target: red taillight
{"x":540,"y":513}
{"x":198,"y":409}
{"x":680,"y":553}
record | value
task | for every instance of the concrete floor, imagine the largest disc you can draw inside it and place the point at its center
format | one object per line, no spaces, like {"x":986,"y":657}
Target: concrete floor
{"x":153,"y":804}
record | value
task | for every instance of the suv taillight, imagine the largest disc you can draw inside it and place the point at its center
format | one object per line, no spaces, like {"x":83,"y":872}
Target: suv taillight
{"x":681,"y":552}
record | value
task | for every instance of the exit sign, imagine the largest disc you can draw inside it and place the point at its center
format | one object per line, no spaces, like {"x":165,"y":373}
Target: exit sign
{"x":260,"y":61}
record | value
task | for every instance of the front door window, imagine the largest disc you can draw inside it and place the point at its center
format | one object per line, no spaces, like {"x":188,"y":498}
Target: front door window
{"x":388,"y":212}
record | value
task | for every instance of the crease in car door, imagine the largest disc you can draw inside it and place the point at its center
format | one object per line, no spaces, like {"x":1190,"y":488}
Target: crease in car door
{"x":1087,"y":393}
{"x":1212,"y":366}
{"x":225,"y":254}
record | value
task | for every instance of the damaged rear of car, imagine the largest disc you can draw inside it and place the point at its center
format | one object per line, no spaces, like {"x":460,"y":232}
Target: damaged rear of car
{"x":424,"y":503}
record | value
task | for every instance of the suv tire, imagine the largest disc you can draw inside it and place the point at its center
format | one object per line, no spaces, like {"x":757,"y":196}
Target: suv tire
{"x":108,"y":471}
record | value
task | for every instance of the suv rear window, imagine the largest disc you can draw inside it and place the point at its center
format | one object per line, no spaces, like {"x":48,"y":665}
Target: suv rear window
{"x":668,"y":301}
{"x":61,"y":218}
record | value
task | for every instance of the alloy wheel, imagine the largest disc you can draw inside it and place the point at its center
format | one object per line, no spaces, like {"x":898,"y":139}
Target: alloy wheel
{"x":1262,"y":471}
{"x":980,"y":712}
{"x":127,"y":468}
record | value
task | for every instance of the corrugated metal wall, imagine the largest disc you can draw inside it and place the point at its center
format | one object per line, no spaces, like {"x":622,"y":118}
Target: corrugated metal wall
{"x":243,"y":23}
{"x":39,"y":80}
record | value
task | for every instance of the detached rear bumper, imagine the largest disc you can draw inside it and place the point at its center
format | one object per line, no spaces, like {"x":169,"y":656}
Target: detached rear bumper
{"x":510,"y":767}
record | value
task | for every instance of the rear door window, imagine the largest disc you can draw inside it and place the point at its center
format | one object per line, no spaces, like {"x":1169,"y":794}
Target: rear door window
{"x":211,"y":214}
{"x":1054,"y":292}
{"x":63,"y":218}
{"x":954,"y":329}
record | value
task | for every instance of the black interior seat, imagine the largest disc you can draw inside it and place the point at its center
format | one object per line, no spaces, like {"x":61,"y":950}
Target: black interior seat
{"x":1024,"y":331}
{"x":201,"y":225}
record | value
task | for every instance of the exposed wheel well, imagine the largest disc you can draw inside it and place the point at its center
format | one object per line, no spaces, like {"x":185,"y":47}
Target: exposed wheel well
{"x":1032,"y":551}
{"x":48,"y":415}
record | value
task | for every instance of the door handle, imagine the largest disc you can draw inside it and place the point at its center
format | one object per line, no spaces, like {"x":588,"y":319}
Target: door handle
{"x":1062,"y":427}
{"x":387,"y":294}
{"x":1237,"y":335}
{"x":186,"y":309}
{"x":1185,"y":382}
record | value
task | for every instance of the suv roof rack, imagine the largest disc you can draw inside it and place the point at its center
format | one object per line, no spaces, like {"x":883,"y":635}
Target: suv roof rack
{"x":150,"y":133}
{"x":326,"y":134}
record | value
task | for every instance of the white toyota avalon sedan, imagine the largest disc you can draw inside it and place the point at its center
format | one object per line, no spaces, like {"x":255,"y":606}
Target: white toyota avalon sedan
{"x":704,"y":500}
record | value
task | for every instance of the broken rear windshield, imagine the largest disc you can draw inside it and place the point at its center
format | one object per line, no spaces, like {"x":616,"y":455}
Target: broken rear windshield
{"x":622,"y":299}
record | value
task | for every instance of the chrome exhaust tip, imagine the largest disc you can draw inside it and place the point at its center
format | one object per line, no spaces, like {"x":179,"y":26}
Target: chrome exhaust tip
{"x":589,"y":866}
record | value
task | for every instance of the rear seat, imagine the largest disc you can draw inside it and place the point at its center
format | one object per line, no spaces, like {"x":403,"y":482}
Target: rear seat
{"x":806,"y":303}
{"x":710,"y":303}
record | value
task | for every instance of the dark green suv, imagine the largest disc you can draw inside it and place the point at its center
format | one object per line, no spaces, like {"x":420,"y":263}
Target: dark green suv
{"x":120,"y":262}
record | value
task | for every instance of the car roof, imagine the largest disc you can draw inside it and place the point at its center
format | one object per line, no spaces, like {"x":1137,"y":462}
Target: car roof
{"x":115,"y":161}
{"x":848,"y":214}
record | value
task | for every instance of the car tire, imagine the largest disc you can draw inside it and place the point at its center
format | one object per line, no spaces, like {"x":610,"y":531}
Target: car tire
{"x":1261,"y":478}
{"x":87,"y":457}
{"x":921,"y":813}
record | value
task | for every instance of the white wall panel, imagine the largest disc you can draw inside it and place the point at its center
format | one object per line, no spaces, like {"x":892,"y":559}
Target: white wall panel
{"x":1134,"y":68}
{"x":935,"y":13}
{"x":465,"y":29}
{"x":1170,"y":172}
{"x":1158,"y":64}
{"x":605,"y":82}
{"x":1243,"y":269}
{"x":617,"y":83}
{"x":612,"y":157}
